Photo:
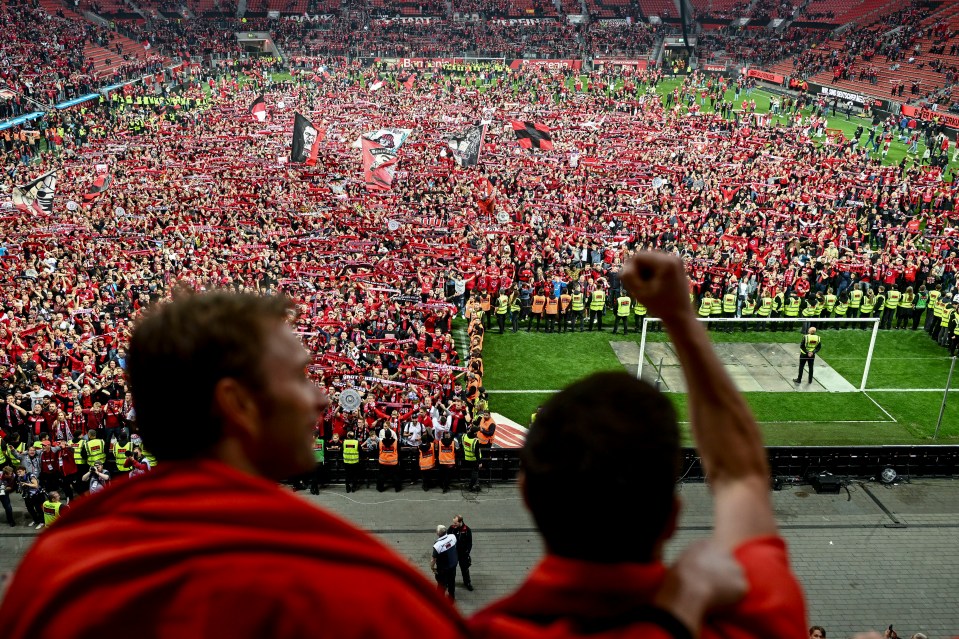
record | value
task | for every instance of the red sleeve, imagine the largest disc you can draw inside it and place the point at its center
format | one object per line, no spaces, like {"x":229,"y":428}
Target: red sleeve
{"x":774,"y":605}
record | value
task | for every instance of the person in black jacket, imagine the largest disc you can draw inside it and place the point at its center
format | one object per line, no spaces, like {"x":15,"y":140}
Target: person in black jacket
{"x":464,"y":545}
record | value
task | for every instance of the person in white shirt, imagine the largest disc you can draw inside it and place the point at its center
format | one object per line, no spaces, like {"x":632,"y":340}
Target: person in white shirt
{"x":36,"y":396}
{"x":442,"y":421}
{"x":412,"y":434}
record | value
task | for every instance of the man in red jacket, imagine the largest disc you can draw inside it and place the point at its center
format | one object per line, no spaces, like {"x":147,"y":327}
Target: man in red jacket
{"x":610,"y":442}
{"x":208,"y":544}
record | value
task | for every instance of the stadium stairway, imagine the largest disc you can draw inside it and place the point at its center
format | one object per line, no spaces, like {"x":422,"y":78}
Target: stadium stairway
{"x":104,"y":60}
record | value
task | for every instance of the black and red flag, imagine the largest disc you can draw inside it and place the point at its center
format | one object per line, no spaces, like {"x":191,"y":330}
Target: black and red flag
{"x":532,"y":135}
{"x":258,"y":109}
{"x":306,"y":141}
{"x":408,"y":81}
{"x":97,"y":188}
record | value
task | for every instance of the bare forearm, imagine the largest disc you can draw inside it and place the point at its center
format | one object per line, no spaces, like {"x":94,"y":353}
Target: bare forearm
{"x":726,"y":434}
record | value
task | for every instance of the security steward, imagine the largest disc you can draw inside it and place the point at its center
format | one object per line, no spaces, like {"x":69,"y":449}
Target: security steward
{"x":577,"y":308}
{"x":597,"y":303}
{"x":539,"y":304}
{"x":96,"y":448}
{"x":808,"y":347}
{"x":446,"y":449}
{"x":502,"y":307}
{"x":427,"y":461}
{"x":471,"y":457}
{"x":552,"y":312}
{"x":389,"y":462}
{"x":351,"y":461}
{"x":564,"y":313}
{"x":623,"y":304}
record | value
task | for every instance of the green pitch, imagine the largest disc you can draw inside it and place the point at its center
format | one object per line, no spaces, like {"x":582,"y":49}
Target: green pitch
{"x":524,"y":369}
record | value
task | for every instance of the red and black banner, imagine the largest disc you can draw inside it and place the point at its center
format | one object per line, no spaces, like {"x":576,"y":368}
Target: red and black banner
{"x":306,"y":141}
{"x":98,"y":188}
{"x":532,"y":135}
{"x":258,"y":109}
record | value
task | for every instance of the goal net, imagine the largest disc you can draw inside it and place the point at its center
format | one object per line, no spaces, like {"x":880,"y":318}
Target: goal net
{"x":762,"y":354}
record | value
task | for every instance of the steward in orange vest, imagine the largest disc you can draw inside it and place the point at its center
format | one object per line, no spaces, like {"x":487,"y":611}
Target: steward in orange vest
{"x":389,"y":463}
{"x":427,"y":459}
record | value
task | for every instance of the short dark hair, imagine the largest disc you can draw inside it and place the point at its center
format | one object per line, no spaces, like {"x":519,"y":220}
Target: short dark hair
{"x":608,"y":442}
{"x":820,"y":629}
{"x":192,"y":343}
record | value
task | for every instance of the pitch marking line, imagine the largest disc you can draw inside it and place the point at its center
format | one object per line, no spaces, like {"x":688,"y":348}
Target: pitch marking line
{"x":841,"y":421}
{"x":879,"y":406}
{"x":891,"y":420}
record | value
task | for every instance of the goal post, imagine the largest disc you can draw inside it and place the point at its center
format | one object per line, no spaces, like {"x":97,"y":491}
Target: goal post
{"x":819,"y":322}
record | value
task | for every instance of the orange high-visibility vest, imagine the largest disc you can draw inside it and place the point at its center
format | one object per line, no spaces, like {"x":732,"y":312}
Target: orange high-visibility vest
{"x":389,"y":455}
{"x":448,"y":453}
{"x":538,"y":303}
{"x":427,"y":458}
{"x":552,"y":306}
{"x":484,"y":439}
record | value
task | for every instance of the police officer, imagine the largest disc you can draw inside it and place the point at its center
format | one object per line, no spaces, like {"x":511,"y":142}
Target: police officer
{"x":808,"y":347}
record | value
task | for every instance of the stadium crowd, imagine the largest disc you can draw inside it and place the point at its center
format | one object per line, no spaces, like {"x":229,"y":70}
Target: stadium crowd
{"x":774,"y":215}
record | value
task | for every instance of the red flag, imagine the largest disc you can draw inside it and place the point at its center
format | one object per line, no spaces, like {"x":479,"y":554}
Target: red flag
{"x":258,"y":109}
{"x":98,"y":188}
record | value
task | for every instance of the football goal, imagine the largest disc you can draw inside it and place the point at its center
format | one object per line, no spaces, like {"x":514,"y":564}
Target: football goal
{"x":762,"y":354}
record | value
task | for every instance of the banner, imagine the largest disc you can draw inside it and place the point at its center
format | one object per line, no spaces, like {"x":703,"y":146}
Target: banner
{"x":466,"y":146}
{"x":258,"y":109}
{"x":525,"y":21}
{"x":404,"y":20}
{"x":391,"y":138}
{"x":639,"y":63}
{"x":951,"y":120}
{"x":714,"y":68}
{"x":428,"y":63}
{"x":572,"y":65}
{"x":306,"y":141}
{"x":379,"y":165}
{"x":845,"y":96}
{"x":532,"y":135}
{"x":766,"y":76}
{"x":98,"y":187}
{"x":36,"y":196}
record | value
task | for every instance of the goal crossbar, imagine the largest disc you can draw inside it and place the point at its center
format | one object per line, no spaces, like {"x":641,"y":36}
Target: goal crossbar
{"x":774,"y":320}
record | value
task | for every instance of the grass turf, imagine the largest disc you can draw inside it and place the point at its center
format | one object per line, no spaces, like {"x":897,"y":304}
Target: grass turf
{"x":902,"y":360}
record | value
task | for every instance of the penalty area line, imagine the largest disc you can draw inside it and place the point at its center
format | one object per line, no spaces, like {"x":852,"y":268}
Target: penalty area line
{"x":879,"y":406}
